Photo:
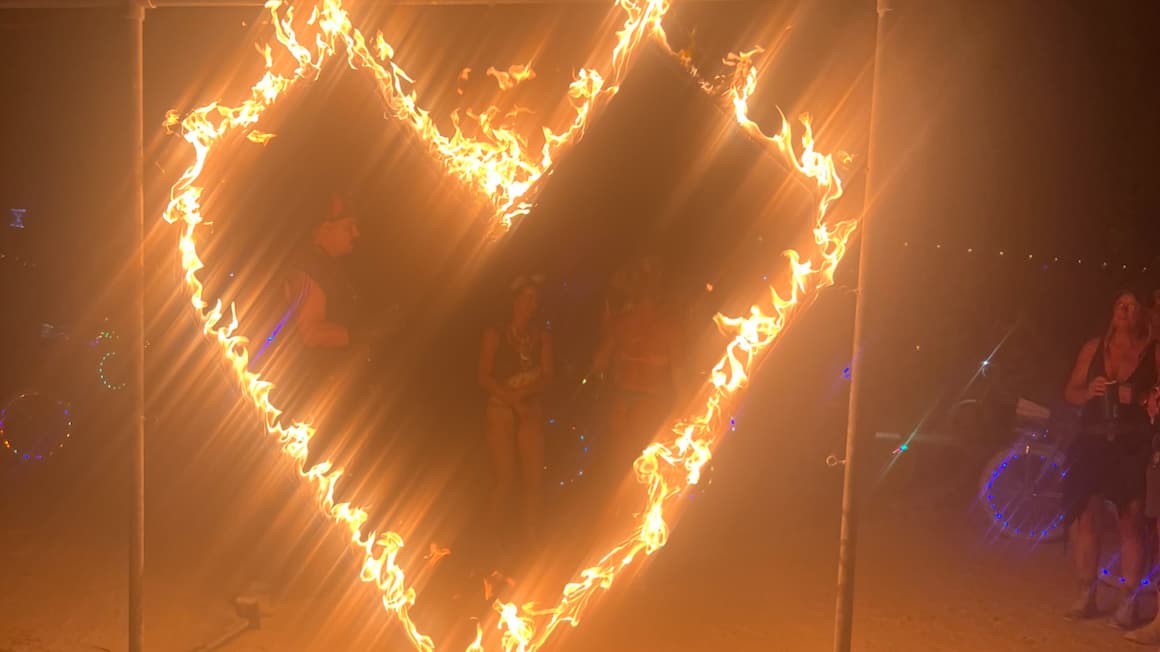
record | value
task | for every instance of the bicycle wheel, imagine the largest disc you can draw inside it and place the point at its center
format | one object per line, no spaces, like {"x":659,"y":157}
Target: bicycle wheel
{"x":1020,"y":491}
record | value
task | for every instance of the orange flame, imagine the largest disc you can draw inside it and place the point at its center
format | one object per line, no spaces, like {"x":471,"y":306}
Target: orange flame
{"x":674,"y":462}
{"x":513,"y":77}
{"x":501,"y":169}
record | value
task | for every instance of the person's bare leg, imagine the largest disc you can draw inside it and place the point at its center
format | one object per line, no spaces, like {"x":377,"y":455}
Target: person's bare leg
{"x":530,"y":440}
{"x":499,"y":429}
{"x":1148,"y":634}
{"x":1085,"y":546}
{"x":1131,"y":524}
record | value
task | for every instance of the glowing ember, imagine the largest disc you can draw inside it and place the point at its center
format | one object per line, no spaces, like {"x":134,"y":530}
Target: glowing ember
{"x":500,"y":168}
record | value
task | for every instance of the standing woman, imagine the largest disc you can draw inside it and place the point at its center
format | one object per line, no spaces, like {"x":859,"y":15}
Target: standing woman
{"x":515,"y":366}
{"x":1112,"y":378}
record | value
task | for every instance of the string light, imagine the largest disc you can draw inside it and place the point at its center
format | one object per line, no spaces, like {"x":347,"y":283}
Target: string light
{"x":101,"y":372}
{"x":106,"y":337}
{"x":1049,"y":261}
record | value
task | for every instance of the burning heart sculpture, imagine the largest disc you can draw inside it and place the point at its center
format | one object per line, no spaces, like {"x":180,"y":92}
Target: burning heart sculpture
{"x":501,"y":169}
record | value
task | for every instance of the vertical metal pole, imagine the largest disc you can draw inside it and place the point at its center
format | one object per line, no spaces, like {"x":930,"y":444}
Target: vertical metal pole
{"x":136,"y":15}
{"x":844,"y":613}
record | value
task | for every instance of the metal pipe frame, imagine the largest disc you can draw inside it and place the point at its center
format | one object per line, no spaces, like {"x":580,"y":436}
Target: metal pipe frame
{"x":848,"y":542}
{"x":219,"y":4}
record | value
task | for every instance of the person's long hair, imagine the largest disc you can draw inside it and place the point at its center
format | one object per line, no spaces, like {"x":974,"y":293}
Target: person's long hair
{"x":1140,"y":329}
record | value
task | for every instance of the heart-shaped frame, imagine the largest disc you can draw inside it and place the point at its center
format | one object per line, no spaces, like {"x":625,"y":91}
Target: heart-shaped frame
{"x":500,"y":168}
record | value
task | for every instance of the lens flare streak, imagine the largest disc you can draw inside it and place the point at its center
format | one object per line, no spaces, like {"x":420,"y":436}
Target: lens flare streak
{"x":500,"y":168}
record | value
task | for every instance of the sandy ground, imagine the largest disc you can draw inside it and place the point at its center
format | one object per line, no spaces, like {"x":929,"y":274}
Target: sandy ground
{"x":751,"y":574}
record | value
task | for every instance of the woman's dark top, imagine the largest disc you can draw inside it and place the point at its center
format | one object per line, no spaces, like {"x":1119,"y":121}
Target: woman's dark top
{"x":1129,"y":418}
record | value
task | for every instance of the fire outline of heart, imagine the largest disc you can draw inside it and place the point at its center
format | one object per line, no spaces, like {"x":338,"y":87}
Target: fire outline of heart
{"x":667,"y":466}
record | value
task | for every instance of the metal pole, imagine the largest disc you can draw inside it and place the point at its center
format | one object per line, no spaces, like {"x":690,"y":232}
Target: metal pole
{"x":136,"y":15}
{"x":211,"y":4}
{"x":844,"y":613}
{"x":221,"y":4}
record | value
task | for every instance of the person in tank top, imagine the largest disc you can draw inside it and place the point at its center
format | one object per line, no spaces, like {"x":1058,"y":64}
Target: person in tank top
{"x":515,"y":367}
{"x":1111,"y":381}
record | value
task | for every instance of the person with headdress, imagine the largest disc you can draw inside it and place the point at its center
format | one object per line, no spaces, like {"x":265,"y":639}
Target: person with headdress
{"x":1111,"y":381}
{"x":516,"y":364}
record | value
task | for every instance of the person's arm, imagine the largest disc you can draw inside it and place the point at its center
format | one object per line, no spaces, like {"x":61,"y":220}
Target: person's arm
{"x":487,"y":367}
{"x":311,"y":320}
{"x":1079,"y":390}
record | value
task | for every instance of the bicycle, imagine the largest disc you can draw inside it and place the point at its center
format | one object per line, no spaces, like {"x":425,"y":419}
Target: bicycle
{"x":1021,"y":486}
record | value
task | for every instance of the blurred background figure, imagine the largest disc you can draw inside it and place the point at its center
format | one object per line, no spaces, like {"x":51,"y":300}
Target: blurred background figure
{"x":638,"y":353}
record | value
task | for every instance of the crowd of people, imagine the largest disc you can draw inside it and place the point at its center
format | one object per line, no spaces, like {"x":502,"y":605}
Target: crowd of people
{"x":1116,"y":457}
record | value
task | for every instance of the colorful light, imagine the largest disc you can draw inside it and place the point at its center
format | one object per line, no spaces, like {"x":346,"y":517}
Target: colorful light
{"x":29,"y":455}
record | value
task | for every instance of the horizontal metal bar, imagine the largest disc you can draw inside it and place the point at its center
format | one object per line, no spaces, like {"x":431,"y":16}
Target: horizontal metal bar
{"x":189,"y":4}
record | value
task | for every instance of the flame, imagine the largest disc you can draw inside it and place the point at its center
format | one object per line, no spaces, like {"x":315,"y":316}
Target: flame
{"x":674,"y":462}
{"x":513,"y":77}
{"x":499,"y":165}
{"x":500,"y":168}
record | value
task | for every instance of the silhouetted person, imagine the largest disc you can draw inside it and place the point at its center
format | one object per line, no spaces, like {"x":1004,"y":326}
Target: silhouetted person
{"x":317,"y":287}
{"x":329,"y":336}
{"x":1111,"y":380}
{"x":314,"y":346}
{"x":515,"y":366}
{"x":638,"y":356}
